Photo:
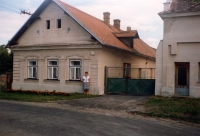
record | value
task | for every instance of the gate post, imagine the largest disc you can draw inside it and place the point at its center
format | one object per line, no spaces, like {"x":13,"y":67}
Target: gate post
{"x":105,"y":79}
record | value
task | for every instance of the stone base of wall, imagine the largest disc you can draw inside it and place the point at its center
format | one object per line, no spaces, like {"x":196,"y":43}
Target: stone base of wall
{"x":94,"y":90}
{"x":168,"y":91}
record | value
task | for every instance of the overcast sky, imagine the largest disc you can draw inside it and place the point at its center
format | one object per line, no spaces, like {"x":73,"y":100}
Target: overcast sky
{"x":140,"y":15}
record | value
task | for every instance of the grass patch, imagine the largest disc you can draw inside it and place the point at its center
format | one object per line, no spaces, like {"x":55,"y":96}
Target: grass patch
{"x":41,"y":98}
{"x":187,"y":109}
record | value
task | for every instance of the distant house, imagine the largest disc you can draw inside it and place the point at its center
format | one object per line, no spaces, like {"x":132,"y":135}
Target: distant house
{"x":178,"y":54}
{"x":59,"y":43}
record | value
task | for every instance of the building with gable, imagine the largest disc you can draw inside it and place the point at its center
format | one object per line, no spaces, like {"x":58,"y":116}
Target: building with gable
{"x":59,"y":43}
{"x":178,"y":54}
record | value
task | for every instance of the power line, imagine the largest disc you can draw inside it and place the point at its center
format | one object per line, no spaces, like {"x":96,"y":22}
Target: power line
{"x":10,"y":4}
{"x":152,"y":27}
{"x":6,"y":16}
{"x":107,"y":2}
{"x":8,"y":9}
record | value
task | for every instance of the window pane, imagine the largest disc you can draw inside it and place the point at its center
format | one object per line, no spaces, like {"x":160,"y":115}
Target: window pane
{"x":143,"y":74}
{"x":50,"y":73}
{"x":78,"y":71}
{"x":55,"y":73}
{"x":48,"y":24}
{"x":32,"y":63}
{"x":30,"y":72}
{"x":75,"y":63}
{"x":34,"y":72}
{"x":71,"y":73}
{"x":53,"y":63}
{"x":58,"y":23}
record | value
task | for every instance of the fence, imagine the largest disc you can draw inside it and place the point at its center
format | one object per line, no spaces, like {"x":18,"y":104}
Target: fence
{"x":136,"y":81}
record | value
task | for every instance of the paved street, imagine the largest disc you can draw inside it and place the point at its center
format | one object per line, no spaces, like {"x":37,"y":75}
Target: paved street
{"x":32,"y":119}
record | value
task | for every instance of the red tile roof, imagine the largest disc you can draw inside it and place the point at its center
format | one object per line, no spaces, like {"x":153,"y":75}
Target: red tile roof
{"x":106,"y":34}
{"x":141,"y":47}
{"x":96,"y":26}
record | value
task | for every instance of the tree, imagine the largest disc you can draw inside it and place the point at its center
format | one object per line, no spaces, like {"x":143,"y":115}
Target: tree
{"x":6,"y":60}
{"x":197,"y":1}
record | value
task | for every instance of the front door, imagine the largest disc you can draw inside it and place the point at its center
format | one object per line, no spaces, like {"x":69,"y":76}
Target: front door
{"x":182,"y":79}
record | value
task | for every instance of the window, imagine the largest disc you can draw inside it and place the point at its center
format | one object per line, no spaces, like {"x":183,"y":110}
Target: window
{"x":58,"y":23}
{"x":52,"y":69}
{"x":75,"y":70}
{"x":32,"y":69}
{"x":144,"y":74}
{"x":127,"y":70}
{"x":48,"y":24}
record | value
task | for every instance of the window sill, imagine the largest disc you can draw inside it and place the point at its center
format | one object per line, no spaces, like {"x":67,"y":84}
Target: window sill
{"x":73,"y":82}
{"x":51,"y":80}
{"x":31,"y":79}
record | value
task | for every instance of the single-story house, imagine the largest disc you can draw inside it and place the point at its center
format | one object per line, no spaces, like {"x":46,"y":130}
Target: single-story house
{"x":59,"y":43}
{"x":178,"y":54}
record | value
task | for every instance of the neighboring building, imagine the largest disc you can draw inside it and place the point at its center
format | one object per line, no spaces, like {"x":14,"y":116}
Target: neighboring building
{"x":59,"y":43}
{"x":178,"y":54}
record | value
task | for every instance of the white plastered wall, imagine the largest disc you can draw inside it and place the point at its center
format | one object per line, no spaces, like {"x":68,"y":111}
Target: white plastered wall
{"x":89,"y":63}
{"x":180,"y":44}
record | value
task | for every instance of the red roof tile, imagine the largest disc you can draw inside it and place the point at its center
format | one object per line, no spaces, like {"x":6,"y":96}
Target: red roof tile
{"x":144,"y":49}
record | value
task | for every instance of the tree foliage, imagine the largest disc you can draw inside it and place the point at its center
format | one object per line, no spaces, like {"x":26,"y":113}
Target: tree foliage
{"x":198,"y":1}
{"x":6,"y":60}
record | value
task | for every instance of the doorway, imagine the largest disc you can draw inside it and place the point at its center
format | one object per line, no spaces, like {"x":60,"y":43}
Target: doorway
{"x":182,"y":78}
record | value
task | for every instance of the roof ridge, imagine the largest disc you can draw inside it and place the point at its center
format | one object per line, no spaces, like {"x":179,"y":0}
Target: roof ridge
{"x":79,"y":10}
{"x":121,"y":32}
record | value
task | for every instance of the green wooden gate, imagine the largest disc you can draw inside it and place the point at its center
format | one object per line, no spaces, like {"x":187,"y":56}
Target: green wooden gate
{"x":127,"y":85}
{"x":131,"y":86}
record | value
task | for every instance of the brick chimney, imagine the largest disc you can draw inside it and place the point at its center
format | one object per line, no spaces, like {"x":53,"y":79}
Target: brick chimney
{"x":106,"y":18}
{"x":128,"y":28}
{"x":117,"y":23}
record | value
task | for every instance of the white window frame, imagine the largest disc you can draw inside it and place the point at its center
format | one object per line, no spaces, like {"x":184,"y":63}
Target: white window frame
{"x":75,"y":68}
{"x":52,"y":67}
{"x":32,"y":67}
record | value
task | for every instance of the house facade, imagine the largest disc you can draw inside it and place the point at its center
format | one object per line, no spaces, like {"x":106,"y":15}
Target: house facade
{"x":178,"y":54}
{"x":55,"y":47}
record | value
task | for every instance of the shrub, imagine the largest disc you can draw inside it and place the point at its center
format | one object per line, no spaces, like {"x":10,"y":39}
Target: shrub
{"x":2,"y":88}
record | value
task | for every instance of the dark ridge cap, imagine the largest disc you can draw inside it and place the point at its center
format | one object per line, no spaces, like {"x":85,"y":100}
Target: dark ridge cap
{"x":124,"y":32}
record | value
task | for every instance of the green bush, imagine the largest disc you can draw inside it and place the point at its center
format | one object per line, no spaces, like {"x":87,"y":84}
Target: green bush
{"x":2,"y":88}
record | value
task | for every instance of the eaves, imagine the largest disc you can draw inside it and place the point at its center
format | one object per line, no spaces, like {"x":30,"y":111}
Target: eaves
{"x":178,"y":14}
